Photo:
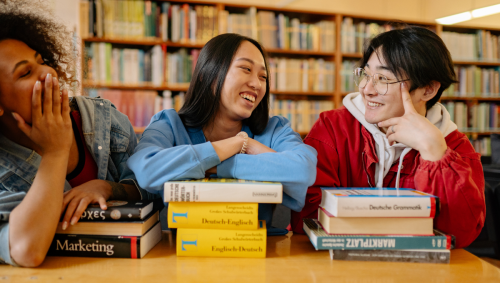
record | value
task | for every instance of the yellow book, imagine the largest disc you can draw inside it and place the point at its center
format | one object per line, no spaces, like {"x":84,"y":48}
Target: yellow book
{"x":242,"y":216}
{"x":222,"y":243}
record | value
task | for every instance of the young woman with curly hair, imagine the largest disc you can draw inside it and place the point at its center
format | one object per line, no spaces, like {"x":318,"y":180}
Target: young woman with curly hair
{"x":55,"y":155}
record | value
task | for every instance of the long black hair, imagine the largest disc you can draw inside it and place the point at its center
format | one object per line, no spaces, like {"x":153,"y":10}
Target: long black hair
{"x":204,"y":94}
{"x":417,"y":53}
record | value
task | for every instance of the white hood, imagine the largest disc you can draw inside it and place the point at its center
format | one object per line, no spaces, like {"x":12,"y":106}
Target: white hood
{"x":387,"y":154}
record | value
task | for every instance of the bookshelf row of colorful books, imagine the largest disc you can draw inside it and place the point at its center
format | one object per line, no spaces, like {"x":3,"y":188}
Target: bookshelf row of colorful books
{"x":301,"y":75}
{"x":106,"y":64}
{"x":302,"y":114}
{"x":474,"y":81}
{"x":479,"y":117}
{"x":140,"y":105}
{"x":379,"y":224}
{"x":279,"y":31}
{"x":480,"y":45}
{"x":147,"y":19}
{"x":355,"y":35}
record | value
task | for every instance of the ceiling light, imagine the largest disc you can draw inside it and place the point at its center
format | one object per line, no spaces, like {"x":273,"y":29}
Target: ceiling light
{"x":455,"y":18}
{"x":486,"y":11}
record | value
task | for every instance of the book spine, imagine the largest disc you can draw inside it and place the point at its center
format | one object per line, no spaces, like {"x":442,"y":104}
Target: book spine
{"x":361,"y":242}
{"x":220,"y":192}
{"x":95,"y":246}
{"x":95,"y":214}
{"x":222,"y":243}
{"x":442,"y":256}
{"x":381,"y":207}
{"x":242,"y":216}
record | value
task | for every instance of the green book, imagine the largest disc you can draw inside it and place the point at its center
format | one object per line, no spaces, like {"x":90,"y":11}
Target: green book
{"x":323,"y":241}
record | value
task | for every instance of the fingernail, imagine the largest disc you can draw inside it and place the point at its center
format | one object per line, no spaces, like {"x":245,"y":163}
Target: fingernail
{"x":104,"y":207}
{"x":54,"y":80}
{"x":37,"y":85}
{"x":65,"y":225}
{"x":73,"y":221}
{"x":14,"y":115}
{"x":49,"y":76}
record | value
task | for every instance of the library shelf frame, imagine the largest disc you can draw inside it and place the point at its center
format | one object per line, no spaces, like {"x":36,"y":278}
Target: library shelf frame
{"x":308,"y":16}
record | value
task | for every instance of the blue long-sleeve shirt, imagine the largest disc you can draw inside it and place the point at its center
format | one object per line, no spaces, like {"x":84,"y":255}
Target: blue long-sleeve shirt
{"x":169,"y":151}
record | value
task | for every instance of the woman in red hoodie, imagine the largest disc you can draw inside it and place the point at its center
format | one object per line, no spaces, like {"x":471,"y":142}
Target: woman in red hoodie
{"x":394,"y":133}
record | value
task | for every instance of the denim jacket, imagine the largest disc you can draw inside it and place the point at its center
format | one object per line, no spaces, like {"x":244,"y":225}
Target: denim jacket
{"x":108,"y":135}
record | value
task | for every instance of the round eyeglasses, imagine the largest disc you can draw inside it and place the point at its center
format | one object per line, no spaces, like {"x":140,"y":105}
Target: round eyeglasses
{"x":380,"y":82}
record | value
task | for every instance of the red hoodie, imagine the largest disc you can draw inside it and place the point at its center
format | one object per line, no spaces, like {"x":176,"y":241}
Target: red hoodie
{"x":347,"y":158}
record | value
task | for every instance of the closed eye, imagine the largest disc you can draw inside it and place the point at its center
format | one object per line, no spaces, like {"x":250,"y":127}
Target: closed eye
{"x":26,"y":74}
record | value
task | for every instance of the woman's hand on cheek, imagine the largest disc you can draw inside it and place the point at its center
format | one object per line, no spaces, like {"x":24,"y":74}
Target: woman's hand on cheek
{"x":77,"y":199}
{"x":415,"y":131}
{"x":51,"y":128}
{"x":254,"y":147}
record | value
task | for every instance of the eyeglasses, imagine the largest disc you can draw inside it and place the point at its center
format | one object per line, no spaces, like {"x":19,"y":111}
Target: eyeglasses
{"x":380,"y":82}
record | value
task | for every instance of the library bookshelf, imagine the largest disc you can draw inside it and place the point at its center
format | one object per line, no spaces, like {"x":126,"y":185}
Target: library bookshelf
{"x":331,"y":38}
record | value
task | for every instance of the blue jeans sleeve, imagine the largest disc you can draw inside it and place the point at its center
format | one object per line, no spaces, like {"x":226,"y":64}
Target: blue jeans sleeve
{"x":4,"y":244}
{"x":157,"y":160}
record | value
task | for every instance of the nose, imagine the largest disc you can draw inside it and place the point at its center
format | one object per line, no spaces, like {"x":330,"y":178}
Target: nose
{"x":369,"y":88}
{"x":255,"y":83}
{"x":44,"y":70}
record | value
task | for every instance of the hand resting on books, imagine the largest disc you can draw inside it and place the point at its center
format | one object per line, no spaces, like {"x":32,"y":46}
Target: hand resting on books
{"x":94,"y":192}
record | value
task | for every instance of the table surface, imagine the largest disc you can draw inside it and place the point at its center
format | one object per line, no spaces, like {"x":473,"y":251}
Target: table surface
{"x":290,"y":258}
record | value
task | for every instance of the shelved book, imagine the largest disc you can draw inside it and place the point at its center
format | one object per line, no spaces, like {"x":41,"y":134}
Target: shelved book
{"x":119,"y":210}
{"x":105,"y":246}
{"x":223,"y":190}
{"x":324,"y":241}
{"x":375,"y":202}
{"x":115,"y":228}
{"x":375,"y":225}
{"x":213,"y":215}
{"x":222,"y":243}
{"x":422,"y":256}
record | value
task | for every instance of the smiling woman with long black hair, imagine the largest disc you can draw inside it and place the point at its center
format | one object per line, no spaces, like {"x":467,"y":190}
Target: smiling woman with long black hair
{"x":226,"y":113}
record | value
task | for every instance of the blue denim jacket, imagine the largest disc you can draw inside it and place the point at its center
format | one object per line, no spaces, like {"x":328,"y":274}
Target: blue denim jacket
{"x":108,"y":135}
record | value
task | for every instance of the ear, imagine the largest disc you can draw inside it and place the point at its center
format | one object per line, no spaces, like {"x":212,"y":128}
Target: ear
{"x":1,"y":112}
{"x":431,"y":90}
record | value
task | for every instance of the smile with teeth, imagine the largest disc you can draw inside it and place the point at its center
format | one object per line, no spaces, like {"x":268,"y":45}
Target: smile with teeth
{"x":373,"y":104}
{"x":248,"y":97}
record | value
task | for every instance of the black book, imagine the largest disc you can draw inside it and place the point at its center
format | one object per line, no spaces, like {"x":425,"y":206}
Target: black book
{"x":105,"y":246}
{"x":120,"y":210}
{"x":425,"y":256}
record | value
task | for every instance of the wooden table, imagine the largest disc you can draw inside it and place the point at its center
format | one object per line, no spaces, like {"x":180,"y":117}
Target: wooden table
{"x":289,"y":259}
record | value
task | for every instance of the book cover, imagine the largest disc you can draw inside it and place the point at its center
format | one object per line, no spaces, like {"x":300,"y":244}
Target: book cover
{"x":323,"y":241}
{"x":422,"y":256}
{"x":223,"y":190}
{"x":222,"y":243}
{"x":375,"y":202}
{"x":105,"y":246}
{"x":375,"y":226}
{"x":120,"y":210}
{"x":213,"y":215}
{"x":132,"y":228}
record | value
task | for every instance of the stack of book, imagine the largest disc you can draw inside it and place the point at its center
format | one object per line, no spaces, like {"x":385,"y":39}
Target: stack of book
{"x":219,"y":217}
{"x":124,"y":230}
{"x":379,"y":225}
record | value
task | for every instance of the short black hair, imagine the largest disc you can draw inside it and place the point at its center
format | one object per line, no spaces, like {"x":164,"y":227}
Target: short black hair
{"x":204,"y":94}
{"x":417,"y":53}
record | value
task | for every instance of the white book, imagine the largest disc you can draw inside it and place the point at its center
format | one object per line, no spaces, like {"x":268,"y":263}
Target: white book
{"x":223,"y":190}
{"x":175,"y":23}
{"x":378,"y":202}
{"x":156,"y":65}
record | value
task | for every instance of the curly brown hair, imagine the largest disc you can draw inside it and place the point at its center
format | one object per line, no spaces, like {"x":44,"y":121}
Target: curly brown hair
{"x":32,"y":23}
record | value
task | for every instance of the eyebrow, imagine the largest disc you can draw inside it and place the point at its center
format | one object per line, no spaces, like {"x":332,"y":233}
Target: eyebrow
{"x":22,"y":62}
{"x":250,"y":61}
{"x":380,"y":67}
